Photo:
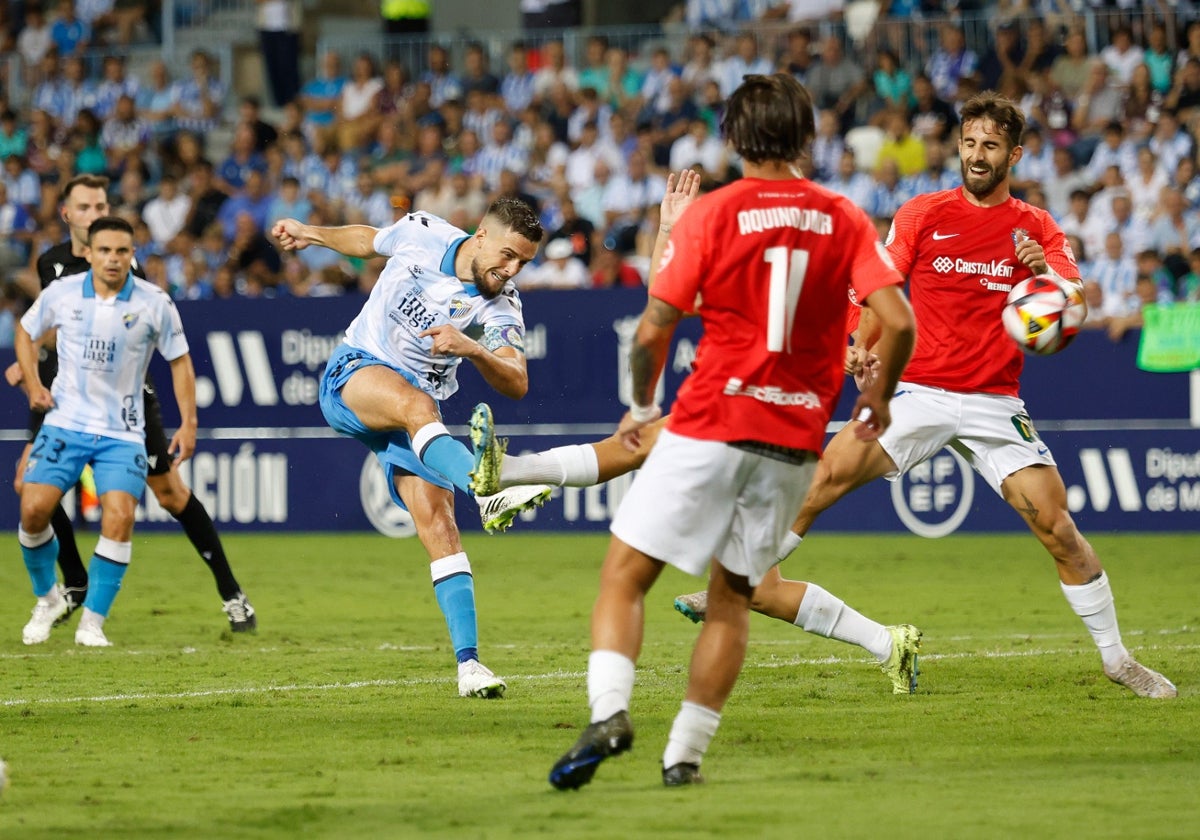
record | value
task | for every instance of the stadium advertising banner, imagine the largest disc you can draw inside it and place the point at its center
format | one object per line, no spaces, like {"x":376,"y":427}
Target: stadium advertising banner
{"x":1127,"y":442}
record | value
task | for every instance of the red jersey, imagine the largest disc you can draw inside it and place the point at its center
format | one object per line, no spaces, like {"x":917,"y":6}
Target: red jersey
{"x":961,"y":263}
{"x":774,"y":263}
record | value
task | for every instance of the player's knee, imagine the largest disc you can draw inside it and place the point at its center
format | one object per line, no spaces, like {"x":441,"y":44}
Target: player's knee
{"x":35,"y":517}
{"x":171,"y":496}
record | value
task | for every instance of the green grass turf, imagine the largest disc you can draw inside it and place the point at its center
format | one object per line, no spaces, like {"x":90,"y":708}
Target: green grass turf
{"x":340,"y":718}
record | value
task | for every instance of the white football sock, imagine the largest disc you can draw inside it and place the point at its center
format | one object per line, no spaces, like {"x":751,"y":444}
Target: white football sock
{"x":790,"y":543}
{"x":1093,"y":602}
{"x":610,"y":683}
{"x":691,"y":733}
{"x":823,"y":614}
{"x":562,"y":466}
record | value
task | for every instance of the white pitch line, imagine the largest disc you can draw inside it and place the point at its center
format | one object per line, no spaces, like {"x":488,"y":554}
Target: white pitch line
{"x":553,"y":675}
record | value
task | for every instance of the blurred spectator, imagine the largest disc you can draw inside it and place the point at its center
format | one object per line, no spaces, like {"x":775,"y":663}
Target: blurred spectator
{"x":932,"y":117}
{"x":288,"y":203}
{"x":200,"y":99}
{"x":1072,"y":70}
{"x":1169,"y":142}
{"x":1114,"y":149}
{"x":1036,"y":165}
{"x":367,"y":204}
{"x":826,"y":148}
{"x":16,"y":234}
{"x":517,"y":86}
{"x":594,"y":72}
{"x":35,"y":39}
{"x":575,"y":229}
{"x":14,"y":140}
{"x":627,"y":200}
{"x":166,"y":214}
{"x":250,"y":113}
{"x":745,"y":61}
{"x":1146,"y":183}
{"x":206,"y":198}
{"x":319,"y":96}
{"x":836,"y":82}
{"x":934,"y":176}
{"x":797,"y":57}
{"x":1189,"y":284}
{"x":554,"y":70}
{"x":356,"y":119}
{"x":889,"y":193}
{"x":12,"y":305}
{"x":156,"y":100}
{"x":1005,"y":56}
{"x":1159,"y":58}
{"x":1143,"y":104}
{"x":581,"y":162}
{"x":391,"y":103}
{"x":1175,"y":231}
{"x":699,"y":148}
{"x":654,"y":86}
{"x":509,"y":186}
{"x":1145,"y":293}
{"x":1121,"y":55}
{"x":22,"y":184}
{"x":477,"y":75}
{"x":561,"y":269}
{"x":952,"y":63}
{"x":857,"y":186}
{"x":243,"y":158}
{"x":1150,"y":265}
{"x":442,"y":81}
{"x":669,"y":123}
{"x":902,"y":146}
{"x":1116,"y":273}
{"x":114,"y":84}
{"x":1063,"y":182}
{"x":85,"y":145}
{"x":1134,"y":232}
{"x":455,"y":191}
{"x":252,"y":252}
{"x":252,"y":201}
{"x":1184,"y":97}
{"x":71,"y":35}
{"x":893,"y":84}
{"x":278,"y":23}
{"x":701,"y":66}
{"x":1040,"y":52}
{"x":500,"y":154}
{"x":610,"y":270}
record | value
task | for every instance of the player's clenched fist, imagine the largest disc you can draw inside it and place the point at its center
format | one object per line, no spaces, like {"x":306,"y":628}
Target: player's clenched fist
{"x":290,"y":234}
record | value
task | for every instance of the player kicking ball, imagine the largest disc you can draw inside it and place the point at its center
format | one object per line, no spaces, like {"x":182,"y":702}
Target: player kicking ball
{"x":443,"y":297}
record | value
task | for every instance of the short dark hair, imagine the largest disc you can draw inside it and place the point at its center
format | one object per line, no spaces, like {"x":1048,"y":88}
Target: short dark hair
{"x":109,"y":223}
{"x":92,"y":182}
{"x":769,"y":118}
{"x":518,"y":216}
{"x":1006,"y":116}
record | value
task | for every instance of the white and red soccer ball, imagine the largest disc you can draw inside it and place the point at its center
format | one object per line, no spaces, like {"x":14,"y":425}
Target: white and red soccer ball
{"x":1043,"y":313}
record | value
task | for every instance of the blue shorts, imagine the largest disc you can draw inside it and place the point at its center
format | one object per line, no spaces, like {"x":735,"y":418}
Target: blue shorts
{"x":59,"y":456}
{"x":393,"y":449}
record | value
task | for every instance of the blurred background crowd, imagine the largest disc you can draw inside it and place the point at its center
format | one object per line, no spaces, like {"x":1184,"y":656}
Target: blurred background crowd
{"x":585,"y":123}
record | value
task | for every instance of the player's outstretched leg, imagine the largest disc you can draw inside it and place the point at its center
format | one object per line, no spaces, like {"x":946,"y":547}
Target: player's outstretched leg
{"x":815,"y":610}
{"x":488,"y":452}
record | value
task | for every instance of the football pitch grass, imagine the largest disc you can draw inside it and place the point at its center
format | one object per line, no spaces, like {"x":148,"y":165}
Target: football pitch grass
{"x":340,"y":717}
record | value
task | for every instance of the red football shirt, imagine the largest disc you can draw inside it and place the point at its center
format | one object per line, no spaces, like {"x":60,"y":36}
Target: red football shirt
{"x":961,"y":263}
{"x":774,"y":263}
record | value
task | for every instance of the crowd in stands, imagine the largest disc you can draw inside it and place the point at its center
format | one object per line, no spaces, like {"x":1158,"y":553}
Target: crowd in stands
{"x":1110,"y":151}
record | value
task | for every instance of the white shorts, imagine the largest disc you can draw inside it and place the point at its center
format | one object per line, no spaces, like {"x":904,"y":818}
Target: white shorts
{"x":994,"y":433}
{"x":694,"y":500}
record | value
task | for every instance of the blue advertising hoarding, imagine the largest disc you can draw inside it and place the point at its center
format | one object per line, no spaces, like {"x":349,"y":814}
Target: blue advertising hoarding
{"x":1126,"y":441}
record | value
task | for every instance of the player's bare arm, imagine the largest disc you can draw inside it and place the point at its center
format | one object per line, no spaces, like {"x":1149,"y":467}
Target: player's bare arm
{"x":502,"y":367}
{"x":682,"y":190}
{"x":39,"y":394}
{"x":898,"y":337}
{"x":350,"y":240}
{"x":183,"y":380}
{"x":646,"y":360}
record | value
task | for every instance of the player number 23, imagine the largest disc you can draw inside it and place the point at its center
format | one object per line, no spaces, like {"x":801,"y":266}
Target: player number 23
{"x":788,"y":267}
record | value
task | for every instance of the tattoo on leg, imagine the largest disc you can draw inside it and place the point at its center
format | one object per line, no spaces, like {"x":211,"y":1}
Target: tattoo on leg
{"x":1028,"y":509}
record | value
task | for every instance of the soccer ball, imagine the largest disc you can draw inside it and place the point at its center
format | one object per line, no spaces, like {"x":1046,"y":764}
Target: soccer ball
{"x":1043,"y":313}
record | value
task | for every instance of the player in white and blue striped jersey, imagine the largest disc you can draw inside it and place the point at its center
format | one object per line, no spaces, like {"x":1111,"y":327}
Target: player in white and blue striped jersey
{"x":109,"y":323}
{"x":443,"y":296}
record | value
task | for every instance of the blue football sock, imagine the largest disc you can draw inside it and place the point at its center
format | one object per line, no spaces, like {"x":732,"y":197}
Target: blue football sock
{"x":39,"y":561}
{"x":104,"y":581}
{"x":449,"y":458}
{"x":456,"y":598}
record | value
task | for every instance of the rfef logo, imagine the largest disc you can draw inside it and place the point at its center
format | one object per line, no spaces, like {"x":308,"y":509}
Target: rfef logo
{"x":934,"y":497}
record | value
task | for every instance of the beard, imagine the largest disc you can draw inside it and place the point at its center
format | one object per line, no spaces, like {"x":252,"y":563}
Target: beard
{"x":484,"y":281}
{"x":981,"y":186}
